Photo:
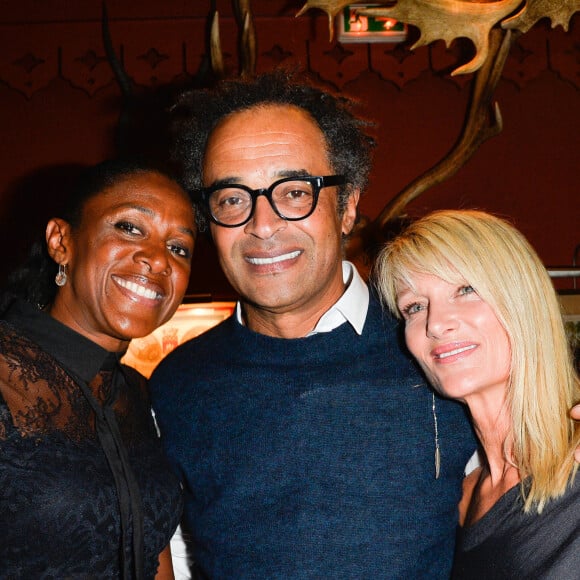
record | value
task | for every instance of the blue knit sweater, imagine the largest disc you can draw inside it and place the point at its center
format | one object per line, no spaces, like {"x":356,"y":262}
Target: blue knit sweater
{"x":311,"y":457}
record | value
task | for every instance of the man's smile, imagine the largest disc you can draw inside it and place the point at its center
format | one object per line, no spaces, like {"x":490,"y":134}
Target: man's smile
{"x":273,"y":259}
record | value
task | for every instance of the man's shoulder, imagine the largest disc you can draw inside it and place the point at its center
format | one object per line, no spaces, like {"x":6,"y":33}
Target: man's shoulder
{"x":385,"y":330}
{"x":202,"y":346}
{"x":378,"y":307}
{"x":223,"y":330}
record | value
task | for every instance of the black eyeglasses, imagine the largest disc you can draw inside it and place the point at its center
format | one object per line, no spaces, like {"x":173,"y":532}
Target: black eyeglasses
{"x":292,"y":198}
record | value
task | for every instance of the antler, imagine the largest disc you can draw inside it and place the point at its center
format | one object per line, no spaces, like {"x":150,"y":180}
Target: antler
{"x":450,"y":19}
{"x":447,"y":20}
{"x":483,"y":121}
{"x":215,"y":46}
{"x":558,"y":11}
{"x":331,"y":7}
{"x":247,"y":38}
{"x":247,"y":44}
{"x":437,"y":19}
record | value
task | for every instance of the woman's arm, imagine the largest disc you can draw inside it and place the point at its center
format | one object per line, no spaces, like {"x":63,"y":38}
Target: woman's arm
{"x":165,"y":570}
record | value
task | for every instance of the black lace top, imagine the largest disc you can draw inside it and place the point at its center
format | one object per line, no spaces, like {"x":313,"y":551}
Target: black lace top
{"x":62,"y":490}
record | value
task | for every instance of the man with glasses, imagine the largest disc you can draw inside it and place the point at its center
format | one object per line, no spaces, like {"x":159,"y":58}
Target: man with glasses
{"x":308,"y":445}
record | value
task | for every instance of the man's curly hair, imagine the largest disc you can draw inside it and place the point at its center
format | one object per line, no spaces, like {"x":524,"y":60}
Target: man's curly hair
{"x":196,"y":113}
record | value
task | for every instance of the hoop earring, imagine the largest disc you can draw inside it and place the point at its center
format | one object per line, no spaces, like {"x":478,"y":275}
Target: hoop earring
{"x":61,"y":278}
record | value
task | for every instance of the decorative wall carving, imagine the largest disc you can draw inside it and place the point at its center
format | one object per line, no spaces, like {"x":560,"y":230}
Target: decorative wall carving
{"x":162,"y":51}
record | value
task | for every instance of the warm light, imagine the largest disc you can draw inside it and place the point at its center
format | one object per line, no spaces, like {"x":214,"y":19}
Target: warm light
{"x":358,"y":23}
{"x":189,"y":321}
{"x":356,"y":27}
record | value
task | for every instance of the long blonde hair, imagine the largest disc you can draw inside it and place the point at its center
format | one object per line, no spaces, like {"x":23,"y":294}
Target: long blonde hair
{"x":496,"y":259}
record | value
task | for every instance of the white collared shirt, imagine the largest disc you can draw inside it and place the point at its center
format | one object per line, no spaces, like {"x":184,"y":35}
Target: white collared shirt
{"x":351,"y":307}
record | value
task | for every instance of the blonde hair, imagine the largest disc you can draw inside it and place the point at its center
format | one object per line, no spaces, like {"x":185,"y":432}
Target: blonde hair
{"x":491,"y":255}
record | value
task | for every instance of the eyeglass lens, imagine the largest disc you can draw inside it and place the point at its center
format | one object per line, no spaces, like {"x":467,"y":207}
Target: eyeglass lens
{"x":291,"y":199}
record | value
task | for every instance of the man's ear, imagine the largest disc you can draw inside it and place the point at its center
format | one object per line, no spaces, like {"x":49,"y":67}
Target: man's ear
{"x":350,"y":212}
{"x":58,"y":240}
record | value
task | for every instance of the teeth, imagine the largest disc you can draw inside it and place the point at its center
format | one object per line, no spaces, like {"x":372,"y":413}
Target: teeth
{"x":137,"y":289}
{"x":264,"y":261}
{"x":456,"y":351}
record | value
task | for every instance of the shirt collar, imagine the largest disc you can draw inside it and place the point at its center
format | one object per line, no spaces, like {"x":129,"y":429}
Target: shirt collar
{"x":72,"y":350}
{"x":351,"y":307}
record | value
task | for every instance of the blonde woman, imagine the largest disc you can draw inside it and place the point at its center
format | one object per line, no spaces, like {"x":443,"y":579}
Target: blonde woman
{"x":483,"y":321}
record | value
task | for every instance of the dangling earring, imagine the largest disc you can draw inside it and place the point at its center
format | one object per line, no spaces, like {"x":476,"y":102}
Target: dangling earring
{"x":437,"y":450}
{"x":61,"y":277}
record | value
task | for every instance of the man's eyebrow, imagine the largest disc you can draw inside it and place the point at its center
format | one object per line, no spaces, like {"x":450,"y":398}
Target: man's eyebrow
{"x":294,"y":173}
{"x":236,"y":180}
{"x":224,"y":181}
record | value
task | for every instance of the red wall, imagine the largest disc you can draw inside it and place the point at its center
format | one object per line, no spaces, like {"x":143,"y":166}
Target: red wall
{"x":60,"y":106}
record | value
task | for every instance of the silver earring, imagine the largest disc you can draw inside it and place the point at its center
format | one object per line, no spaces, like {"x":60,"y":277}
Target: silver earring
{"x":437,"y":451}
{"x":61,"y":278}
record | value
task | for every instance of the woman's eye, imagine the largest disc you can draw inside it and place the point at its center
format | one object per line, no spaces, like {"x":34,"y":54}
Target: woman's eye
{"x":411,"y":309}
{"x":180,"y":251}
{"x":466,"y":290}
{"x":128,"y":228}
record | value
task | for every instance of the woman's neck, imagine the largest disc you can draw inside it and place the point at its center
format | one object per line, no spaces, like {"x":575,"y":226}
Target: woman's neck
{"x":498,"y":474}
